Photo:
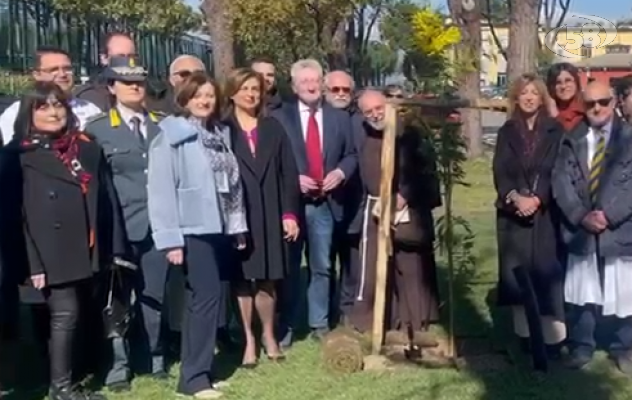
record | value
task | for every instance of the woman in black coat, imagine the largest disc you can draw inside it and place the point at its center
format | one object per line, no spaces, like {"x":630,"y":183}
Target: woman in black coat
{"x":70,"y":221}
{"x":526,"y":150}
{"x":270,"y":178}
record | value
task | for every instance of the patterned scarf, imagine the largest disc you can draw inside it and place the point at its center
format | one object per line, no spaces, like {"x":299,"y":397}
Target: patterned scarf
{"x":227,"y":178}
{"x":66,"y":149}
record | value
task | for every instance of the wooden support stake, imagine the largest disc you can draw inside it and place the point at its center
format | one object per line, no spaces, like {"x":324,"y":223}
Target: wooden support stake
{"x":384,"y":247}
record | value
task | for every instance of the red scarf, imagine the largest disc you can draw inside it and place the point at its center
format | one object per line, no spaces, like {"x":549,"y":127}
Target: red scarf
{"x":66,"y":149}
{"x":570,"y":115}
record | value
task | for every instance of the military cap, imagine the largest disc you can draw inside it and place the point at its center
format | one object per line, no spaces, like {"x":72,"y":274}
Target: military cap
{"x":125,"y":69}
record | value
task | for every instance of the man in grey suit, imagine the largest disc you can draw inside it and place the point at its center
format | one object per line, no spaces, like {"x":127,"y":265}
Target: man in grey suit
{"x":592,"y":184}
{"x":321,"y":138}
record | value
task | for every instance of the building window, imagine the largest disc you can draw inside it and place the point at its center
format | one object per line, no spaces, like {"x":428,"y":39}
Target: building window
{"x":618,"y":49}
{"x":501,"y":80}
{"x":586,"y":52}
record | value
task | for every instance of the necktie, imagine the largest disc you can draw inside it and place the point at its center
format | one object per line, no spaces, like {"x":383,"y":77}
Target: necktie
{"x":135,"y":123}
{"x":314,"y":151}
{"x":597,"y":165}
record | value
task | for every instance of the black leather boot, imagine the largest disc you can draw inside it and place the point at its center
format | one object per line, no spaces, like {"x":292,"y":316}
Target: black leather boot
{"x":73,"y":393}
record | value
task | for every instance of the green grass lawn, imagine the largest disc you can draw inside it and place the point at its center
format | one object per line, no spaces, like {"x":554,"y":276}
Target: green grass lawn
{"x":303,"y":377}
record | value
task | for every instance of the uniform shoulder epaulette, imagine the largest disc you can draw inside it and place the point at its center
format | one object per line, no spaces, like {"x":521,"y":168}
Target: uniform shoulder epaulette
{"x":96,"y":117}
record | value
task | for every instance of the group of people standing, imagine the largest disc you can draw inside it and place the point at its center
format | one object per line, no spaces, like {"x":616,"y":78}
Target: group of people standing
{"x":110,"y":199}
{"x":563,"y":172}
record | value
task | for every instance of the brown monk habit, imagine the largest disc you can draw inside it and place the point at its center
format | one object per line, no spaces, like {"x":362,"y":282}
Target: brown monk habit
{"x":412,"y":298}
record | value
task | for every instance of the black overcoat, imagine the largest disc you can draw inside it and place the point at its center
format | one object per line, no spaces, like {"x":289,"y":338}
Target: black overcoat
{"x":271,"y":188}
{"x":57,"y":218}
{"x":528,"y":242}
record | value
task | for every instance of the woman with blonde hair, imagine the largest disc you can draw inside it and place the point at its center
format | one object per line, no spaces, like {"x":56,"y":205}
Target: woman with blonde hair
{"x":272,"y":200}
{"x":526,"y":216}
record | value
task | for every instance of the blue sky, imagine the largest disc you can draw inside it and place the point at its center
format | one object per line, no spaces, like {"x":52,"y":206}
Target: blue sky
{"x":609,"y":9}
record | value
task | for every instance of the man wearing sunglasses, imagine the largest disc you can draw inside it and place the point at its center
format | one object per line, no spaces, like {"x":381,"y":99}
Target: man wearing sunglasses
{"x":339,"y":93}
{"x":592,"y":185}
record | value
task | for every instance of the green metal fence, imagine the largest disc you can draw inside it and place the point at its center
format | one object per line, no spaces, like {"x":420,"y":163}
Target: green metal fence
{"x":27,"y":24}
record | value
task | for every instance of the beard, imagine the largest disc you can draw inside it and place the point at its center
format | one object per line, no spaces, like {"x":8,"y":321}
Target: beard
{"x":379,"y":125}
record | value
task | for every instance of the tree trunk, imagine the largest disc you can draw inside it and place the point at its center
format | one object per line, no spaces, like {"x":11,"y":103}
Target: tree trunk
{"x":469,"y":83}
{"x":222,"y":41}
{"x":522,"y":53}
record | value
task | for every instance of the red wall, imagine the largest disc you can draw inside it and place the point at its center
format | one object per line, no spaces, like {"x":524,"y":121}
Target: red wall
{"x":604,"y":76}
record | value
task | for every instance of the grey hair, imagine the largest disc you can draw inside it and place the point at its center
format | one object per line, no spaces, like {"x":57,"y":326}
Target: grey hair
{"x":308,"y":63}
{"x":339,"y":71}
{"x":181,"y":58}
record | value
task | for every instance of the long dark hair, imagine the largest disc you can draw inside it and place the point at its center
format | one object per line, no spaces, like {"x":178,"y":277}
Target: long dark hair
{"x":555,"y":71}
{"x":40,"y":94}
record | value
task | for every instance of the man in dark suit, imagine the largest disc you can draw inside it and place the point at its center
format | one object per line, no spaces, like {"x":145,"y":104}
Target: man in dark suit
{"x":339,"y":91}
{"x":322,"y":142}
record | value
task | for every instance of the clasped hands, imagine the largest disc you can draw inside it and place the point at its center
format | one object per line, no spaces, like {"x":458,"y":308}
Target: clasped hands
{"x":311,"y":187}
{"x":595,"y":221}
{"x":525,"y":206}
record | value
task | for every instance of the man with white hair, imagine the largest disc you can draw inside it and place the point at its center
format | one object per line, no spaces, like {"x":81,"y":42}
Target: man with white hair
{"x":339,"y":93}
{"x":413,"y":296}
{"x":322,"y":142}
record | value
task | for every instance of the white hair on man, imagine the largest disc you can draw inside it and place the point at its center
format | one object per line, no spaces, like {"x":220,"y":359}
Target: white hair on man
{"x":308,"y":63}
{"x":185,"y":59}
{"x":339,"y":74}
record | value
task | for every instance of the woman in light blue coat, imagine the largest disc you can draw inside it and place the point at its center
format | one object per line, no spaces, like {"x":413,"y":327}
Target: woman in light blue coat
{"x":196,"y":209}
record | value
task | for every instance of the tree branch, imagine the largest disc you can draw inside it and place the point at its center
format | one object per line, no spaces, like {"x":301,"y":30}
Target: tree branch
{"x":369,"y":28}
{"x":564,"y":5}
{"x":492,"y":30}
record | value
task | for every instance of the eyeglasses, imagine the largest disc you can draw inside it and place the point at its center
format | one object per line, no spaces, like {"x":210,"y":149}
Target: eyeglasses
{"x":340,"y":89}
{"x":64,"y":69}
{"x":605,"y":102}
{"x":394,"y":96}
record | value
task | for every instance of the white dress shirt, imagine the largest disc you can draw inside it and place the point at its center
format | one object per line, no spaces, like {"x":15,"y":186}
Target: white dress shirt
{"x":82,"y":109}
{"x":304,"y":111}
{"x":582,"y":285}
{"x":127,"y":115}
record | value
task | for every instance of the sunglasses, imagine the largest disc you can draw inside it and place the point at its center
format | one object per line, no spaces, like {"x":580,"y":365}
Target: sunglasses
{"x":602,"y":102}
{"x":394,"y":96}
{"x":340,"y":89}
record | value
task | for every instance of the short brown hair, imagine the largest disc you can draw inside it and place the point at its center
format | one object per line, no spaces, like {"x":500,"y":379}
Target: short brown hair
{"x":188,"y":88}
{"x":235,"y":81}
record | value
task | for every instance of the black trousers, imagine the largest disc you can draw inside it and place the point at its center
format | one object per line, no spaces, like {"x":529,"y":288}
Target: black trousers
{"x":584,"y":322}
{"x":63,"y":306}
{"x":151,"y":287}
{"x":342,"y":255}
{"x":205,"y":256}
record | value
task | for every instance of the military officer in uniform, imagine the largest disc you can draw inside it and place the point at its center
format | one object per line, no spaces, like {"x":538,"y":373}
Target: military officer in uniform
{"x":125,"y":132}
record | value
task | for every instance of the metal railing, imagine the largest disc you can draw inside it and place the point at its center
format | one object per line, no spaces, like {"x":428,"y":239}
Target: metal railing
{"x":27,"y":24}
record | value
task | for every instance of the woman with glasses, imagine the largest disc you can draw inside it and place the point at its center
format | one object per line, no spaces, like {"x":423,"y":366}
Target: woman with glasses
{"x":564,"y":88}
{"x":70,"y":220}
{"x":526,"y":215}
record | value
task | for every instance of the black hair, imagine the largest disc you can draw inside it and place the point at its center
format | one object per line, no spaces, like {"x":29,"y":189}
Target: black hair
{"x":46,"y":50}
{"x":623,"y":86}
{"x":39,"y":95}
{"x":555,"y":71}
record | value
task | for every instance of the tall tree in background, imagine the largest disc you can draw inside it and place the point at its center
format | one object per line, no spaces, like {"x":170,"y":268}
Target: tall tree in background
{"x":467,"y":16}
{"x":218,"y":22}
{"x":524,"y":43}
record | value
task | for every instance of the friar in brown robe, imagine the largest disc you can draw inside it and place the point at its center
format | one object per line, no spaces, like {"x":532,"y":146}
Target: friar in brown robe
{"x":412,"y":297}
